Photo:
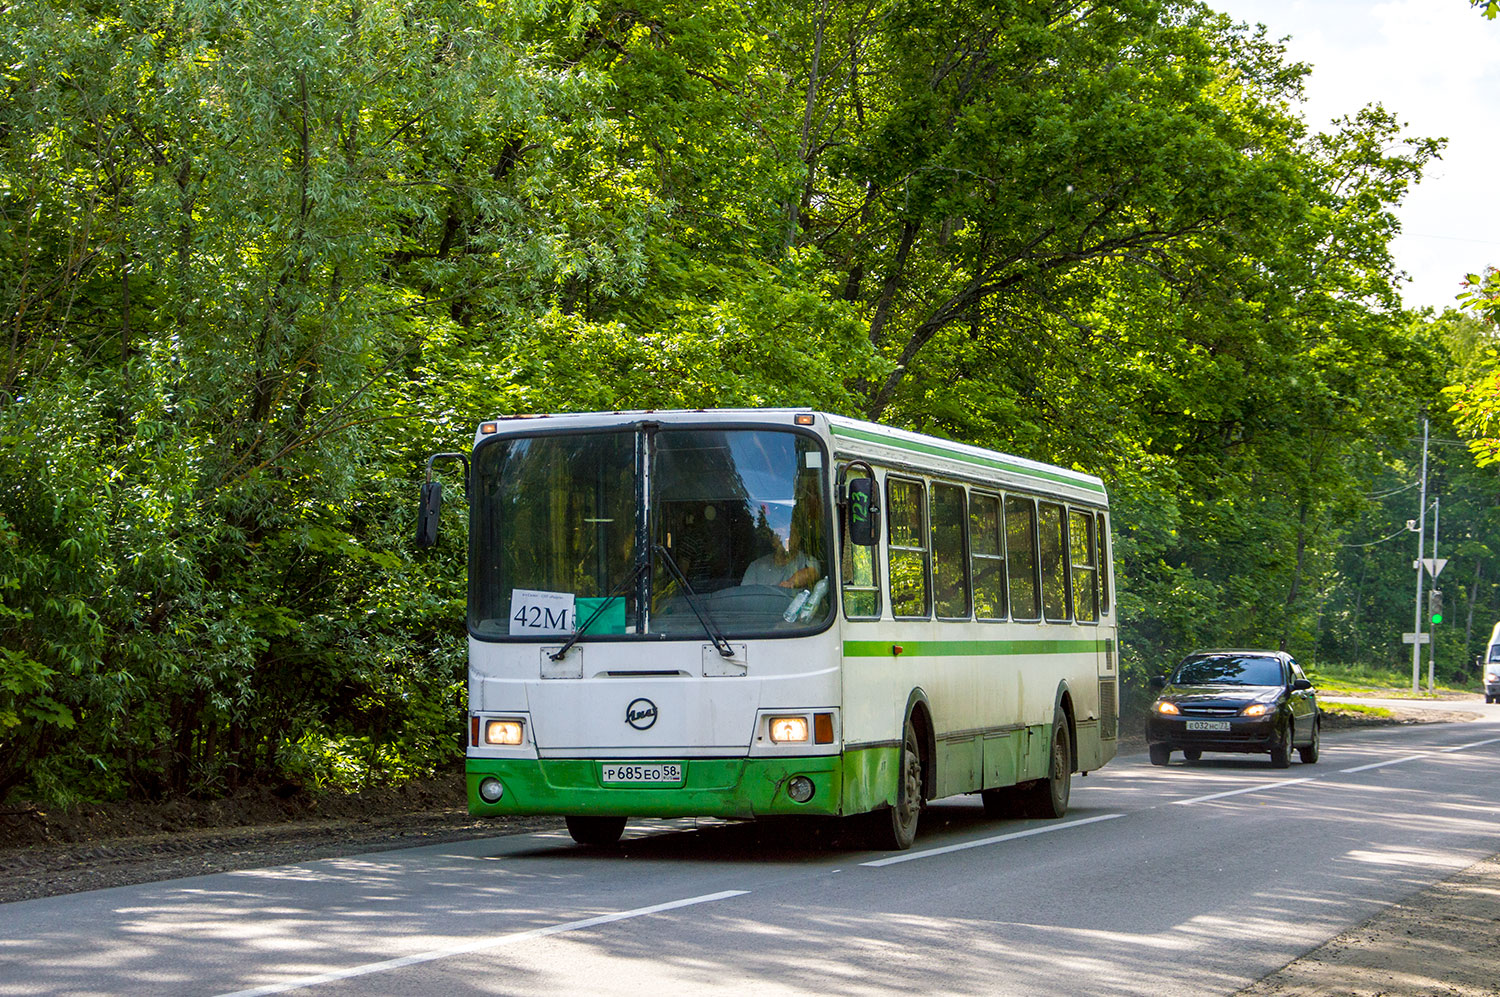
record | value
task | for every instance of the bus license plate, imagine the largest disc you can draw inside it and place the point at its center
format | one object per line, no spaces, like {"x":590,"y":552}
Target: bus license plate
{"x":658,"y":772}
{"x":1208,"y":725}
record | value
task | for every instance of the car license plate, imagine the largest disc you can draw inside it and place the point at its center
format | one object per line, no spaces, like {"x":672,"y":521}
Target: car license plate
{"x":1208,"y":725}
{"x":643,"y":772}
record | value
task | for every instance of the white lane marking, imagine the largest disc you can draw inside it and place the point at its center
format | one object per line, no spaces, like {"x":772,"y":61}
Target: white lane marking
{"x":1247,"y":789}
{"x":476,"y":945}
{"x":981,"y":842}
{"x":1476,"y":744}
{"x":1425,"y":754}
{"x":1378,"y":765}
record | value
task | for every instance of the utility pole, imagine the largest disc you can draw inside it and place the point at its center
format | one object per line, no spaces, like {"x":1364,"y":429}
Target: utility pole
{"x":1416,"y":645}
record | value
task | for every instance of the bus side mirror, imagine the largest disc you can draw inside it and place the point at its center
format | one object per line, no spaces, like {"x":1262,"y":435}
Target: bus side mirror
{"x":427,"y":513}
{"x":864,"y":512}
{"x":432,"y":500}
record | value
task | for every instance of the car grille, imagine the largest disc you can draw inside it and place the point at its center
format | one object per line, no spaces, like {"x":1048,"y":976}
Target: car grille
{"x":1209,"y":711}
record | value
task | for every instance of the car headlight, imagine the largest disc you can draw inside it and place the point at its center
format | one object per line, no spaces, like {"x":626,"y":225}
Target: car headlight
{"x":1165,"y":707}
{"x":1257,"y":709}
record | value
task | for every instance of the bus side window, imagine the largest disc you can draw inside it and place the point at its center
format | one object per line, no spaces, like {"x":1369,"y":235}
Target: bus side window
{"x":1084,"y":565}
{"x":950,"y":567}
{"x":986,"y":539}
{"x":861,"y":582}
{"x":1053,"y":547}
{"x":1020,"y":557}
{"x":905,"y":502}
{"x":1103,"y":548}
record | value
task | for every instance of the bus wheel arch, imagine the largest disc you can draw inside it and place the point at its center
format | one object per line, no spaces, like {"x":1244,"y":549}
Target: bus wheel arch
{"x":1065,"y":704}
{"x":919,"y":713}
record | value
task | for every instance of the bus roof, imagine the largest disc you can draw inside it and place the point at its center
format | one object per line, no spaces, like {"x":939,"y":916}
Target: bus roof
{"x":852,"y":438}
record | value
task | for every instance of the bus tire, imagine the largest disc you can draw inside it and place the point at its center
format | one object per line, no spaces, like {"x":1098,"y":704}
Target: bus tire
{"x":894,"y":828}
{"x":1049,"y":797}
{"x":596,"y":830}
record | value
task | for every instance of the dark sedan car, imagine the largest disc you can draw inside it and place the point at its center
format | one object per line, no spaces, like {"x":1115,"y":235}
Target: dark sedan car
{"x":1245,"y":701}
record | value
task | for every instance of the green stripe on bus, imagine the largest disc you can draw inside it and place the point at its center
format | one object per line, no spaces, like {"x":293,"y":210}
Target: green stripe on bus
{"x":960,"y":648}
{"x":932,"y":449}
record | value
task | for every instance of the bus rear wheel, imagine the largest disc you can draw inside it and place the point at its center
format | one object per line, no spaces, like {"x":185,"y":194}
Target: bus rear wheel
{"x":896,"y":828}
{"x":596,"y":830}
{"x":1049,"y":797}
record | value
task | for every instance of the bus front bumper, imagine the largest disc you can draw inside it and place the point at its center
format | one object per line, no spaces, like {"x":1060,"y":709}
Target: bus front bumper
{"x":709,"y":787}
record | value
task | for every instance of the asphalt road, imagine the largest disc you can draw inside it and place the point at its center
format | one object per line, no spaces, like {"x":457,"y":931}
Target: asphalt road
{"x":1179,"y":880}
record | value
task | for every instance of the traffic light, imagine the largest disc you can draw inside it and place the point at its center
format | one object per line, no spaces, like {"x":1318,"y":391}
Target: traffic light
{"x":1435,"y":605}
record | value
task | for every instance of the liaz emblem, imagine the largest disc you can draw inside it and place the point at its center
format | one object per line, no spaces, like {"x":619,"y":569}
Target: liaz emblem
{"x":641,"y":714}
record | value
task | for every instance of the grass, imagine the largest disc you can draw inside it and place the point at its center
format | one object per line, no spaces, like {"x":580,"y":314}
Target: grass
{"x":1388,"y":683}
{"x":1355,"y":710}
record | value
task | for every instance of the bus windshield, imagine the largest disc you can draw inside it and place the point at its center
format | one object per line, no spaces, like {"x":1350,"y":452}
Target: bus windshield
{"x":737,"y":539}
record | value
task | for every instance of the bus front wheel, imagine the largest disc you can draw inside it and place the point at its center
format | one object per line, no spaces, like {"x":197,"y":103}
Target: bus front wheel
{"x":896,"y":828}
{"x":596,"y":830}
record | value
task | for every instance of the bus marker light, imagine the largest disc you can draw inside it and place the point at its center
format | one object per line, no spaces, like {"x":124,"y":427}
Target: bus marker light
{"x":800,"y":788}
{"x":804,"y":420}
{"x":896,"y":650}
{"x":502,"y":732}
{"x":788,"y":729}
{"x":823,"y":728}
{"x":488,"y":428}
{"x":490,"y":789}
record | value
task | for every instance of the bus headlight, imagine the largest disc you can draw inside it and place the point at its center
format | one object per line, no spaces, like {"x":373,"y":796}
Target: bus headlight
{"x":502,"y":732}
{"x":784,"y":729}
{"x":491,"y":789}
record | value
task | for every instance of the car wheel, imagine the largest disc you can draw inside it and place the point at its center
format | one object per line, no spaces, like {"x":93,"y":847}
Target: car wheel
{"x":1281,"y":751}
{"x":1160,"y":754}
{"x":596,"y":830}
{"x":895,"y":828}
{"x":1309,"y":754}
{"x":1049,"y":797}
{"x":1192,"y":754}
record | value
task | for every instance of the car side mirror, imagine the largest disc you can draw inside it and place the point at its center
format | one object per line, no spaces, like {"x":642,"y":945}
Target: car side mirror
{"x":1301,"y":685}
{"x":1158,"y":682}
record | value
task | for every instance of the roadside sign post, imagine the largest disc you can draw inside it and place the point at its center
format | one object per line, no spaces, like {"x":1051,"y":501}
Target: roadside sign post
{"x":1436,"y":567}
{"x":1416,"y":646}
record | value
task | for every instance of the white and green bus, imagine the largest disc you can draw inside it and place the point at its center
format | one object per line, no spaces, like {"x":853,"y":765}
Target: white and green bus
{"x":746,"y":613}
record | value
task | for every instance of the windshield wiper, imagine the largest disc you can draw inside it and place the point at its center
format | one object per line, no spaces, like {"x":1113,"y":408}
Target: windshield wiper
{"x":720,"y":643}
{"x":630,"y":576}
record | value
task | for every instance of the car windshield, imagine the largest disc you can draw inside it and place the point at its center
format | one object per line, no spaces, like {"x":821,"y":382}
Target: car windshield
{"x":1229,"y":669}
{"x":737,"y":545}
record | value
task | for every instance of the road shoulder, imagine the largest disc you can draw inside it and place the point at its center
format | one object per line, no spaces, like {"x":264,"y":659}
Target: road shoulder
{"x":1441,"y":941}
